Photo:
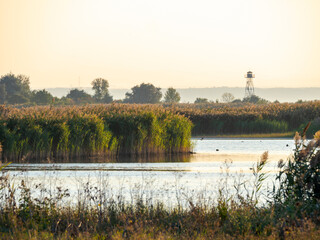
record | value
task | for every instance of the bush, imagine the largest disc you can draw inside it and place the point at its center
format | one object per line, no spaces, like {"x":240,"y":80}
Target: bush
{"x":298,"y":195}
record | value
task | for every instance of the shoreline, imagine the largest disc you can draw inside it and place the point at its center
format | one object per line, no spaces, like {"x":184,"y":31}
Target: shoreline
{"x":288,"y":135}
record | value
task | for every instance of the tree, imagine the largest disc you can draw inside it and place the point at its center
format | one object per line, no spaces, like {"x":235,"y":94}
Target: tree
{"x":237,"y":101}
{"x":42,"y":97}
{"x":172,"y":96}
{"x":3,"y":93}
{"x":100,"y":87}
{"x":16,"y":89}
{"x":63,"y":101}
{"x":79,"y":96}
{"x":255,"y":99}
{"x":145,"y":93}
{"x":107,"y":98}
{"x":227,"y":97}
{"x":201,"y":100}
{"x":17,"y":99}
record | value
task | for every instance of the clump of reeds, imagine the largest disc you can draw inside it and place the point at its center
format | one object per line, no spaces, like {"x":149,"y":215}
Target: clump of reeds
{"x":298,"y":195}
{"x":226,"y":119}
{"x":64,"y":133}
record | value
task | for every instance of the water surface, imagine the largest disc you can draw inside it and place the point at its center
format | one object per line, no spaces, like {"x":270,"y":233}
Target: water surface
{"x":217,"y":163}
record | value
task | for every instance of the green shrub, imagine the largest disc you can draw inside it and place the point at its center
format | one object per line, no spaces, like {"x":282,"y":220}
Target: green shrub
{"x":298,"y":195}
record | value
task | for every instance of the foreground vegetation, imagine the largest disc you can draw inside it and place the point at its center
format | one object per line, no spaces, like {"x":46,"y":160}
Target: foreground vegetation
{"x":64,"y":133}
{"x":290,"y":212}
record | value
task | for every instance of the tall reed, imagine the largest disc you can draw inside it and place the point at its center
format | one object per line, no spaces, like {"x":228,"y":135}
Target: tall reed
{"x":219,"y":119}
{"x":40,"y":133}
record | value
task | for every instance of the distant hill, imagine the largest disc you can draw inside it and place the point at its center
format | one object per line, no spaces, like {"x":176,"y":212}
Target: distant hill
{"x":190,"y":94}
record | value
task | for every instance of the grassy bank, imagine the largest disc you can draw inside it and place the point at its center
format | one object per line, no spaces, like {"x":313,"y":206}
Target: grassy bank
{"x":290,"y":212}
{"x":65,"y":133}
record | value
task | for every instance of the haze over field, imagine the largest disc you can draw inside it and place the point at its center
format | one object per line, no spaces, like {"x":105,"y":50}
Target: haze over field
{"x":212,"y":94}
{"x":180,"y":44}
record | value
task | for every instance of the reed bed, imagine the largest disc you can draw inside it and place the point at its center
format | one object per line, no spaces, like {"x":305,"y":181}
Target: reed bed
{"x":65,"y":133}
{"x":239,"y":118}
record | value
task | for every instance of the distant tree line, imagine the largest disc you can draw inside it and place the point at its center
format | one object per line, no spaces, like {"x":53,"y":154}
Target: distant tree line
{"x":15,"y":89}
{"x":229,"y":98}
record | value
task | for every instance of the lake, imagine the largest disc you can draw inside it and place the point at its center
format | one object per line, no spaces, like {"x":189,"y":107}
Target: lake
{"x":218,"y":163}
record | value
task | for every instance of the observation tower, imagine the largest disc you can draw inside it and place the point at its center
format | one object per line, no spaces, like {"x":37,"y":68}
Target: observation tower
{"x":249,"y":91}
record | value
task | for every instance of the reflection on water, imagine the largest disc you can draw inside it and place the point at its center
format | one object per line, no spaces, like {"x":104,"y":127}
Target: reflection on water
{"x":139,"y":159}
{"x":208,"y":155}
{"x":204,"y":149}
{"x":165,"y":177}
{"x":197,"y":166}
{"x":183,"y":157}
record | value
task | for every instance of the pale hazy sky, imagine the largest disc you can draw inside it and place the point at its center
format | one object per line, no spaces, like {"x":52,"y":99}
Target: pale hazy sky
{"x":177,"y":43}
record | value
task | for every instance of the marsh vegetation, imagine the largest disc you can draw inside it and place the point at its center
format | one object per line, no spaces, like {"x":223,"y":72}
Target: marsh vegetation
{"x":242,"y":210}
{"x":42,"y":133}
{"x":212,"y":119}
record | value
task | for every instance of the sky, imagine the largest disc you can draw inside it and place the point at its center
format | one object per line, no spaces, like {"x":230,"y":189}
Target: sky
{"x":169,"y":43}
